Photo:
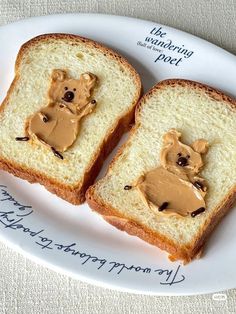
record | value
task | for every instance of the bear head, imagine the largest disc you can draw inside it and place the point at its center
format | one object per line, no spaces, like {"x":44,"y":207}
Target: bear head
{"x":179,"y":158}
{"x":67,"y":90}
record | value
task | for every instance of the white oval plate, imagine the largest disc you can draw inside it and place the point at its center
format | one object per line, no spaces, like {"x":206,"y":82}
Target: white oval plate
{"x":73,"y":239}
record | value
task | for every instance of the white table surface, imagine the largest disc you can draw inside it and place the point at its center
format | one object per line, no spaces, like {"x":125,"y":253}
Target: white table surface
{"x":26,"y":287}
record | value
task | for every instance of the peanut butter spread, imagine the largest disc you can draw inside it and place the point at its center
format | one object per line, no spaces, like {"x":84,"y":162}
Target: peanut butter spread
{"x":173,"y":187}
{"x":57,"y":124}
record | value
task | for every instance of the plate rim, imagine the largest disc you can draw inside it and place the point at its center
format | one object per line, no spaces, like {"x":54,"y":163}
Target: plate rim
{"x":58,"y":15}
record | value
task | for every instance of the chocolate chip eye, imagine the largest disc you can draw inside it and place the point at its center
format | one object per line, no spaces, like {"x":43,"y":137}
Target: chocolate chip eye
{"x":66,"y":88}
{"x":179,"y":154}
{"x":188,"y":156}
{"x":74,"y":89}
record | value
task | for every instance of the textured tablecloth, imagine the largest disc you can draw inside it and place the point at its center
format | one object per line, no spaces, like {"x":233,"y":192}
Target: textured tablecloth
{"x":26,"y":287}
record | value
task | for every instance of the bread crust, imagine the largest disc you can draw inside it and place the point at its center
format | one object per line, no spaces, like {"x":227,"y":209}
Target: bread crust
{"x":74,"y":194}
{"x":177,"y":252}
{"x":210,"y":91}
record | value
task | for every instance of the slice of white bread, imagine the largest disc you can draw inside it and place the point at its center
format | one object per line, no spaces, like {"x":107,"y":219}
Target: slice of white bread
{"x":117,"y":93}
{"x":197,"y":111}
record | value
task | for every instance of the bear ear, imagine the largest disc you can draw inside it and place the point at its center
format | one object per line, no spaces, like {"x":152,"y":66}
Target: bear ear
{"x":58,"y":75}
{"x":90,"y":79}
{"x":171,"y":136}
{"x":200,"y":146}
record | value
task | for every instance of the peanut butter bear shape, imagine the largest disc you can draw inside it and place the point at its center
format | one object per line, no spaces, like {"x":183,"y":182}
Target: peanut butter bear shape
{"x":174,"y":187}
{"x":57,"y":124}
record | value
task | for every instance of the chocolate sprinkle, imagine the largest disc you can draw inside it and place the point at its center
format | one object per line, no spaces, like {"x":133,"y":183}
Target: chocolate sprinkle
{"x":127,"y":187}
{"x":45,"y":118}
{"x":163,"y":206}
{"x":23,"y":139}
{"x":198,"y":211}
{"x":56,"y":153}
{"x":198,"y":185}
